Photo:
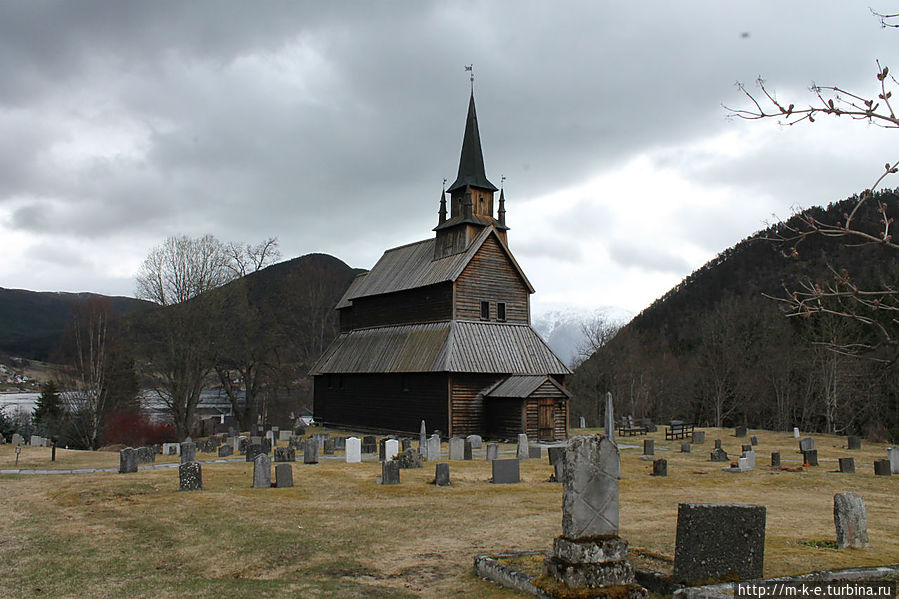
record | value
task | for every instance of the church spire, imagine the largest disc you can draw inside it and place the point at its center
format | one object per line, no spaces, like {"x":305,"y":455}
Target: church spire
{"x":471,"y":162}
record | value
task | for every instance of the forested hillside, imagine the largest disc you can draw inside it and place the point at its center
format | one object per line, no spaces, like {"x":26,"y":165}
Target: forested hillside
{"x":715,"y":350}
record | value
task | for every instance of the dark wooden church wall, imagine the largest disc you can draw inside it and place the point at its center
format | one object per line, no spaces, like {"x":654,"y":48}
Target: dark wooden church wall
{"x":391,"y":402}
{"x":491,"y":277}
{"x":560,"y":412}
{"x":468,"y":413}
{"x":505,"y":417}
{"x":433,"y":303}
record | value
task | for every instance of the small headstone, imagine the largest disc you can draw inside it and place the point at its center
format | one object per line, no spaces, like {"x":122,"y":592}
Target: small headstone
{"x":649,"y":447}
{"x":893,"y":457}
{"x":492,"y":451}
{"x":188,"y":452}
{"x":754,"y":440}
{"x":285,"y":454}
{"x":882,"y":468}
{"x":505,"y":471}
{"x":476,"y":441}
{"x":855,"y":442}
{"x":810,"y":457}
{"x":582,"y":422}
{"x":806,"y":444}
{"x":660,"y":467}
{"x":190,"y":477}
{"x":718,"y":455}
{"x":226,"y":450}
{"x":522,"y":453}
{"x":310,"y":452}
{"x":391,"y":449}
{"x":847,"y":465}
{"x":851,"y":520}
{"x":744,"y":448}
{"x":127,"y":460}
{"x":283,"y":475}
{"x":328,"y":448}
{"x":262,"y":472}
{"x":466,"y":450}
{"x":409,"y":459}
{"x":17,"y":439}
{"x":442,"y":474}
{"x":740,"y":431}
{"x":456,"y":448}
{"x":534,"y":452}
{"x":353,"y":450}
{"x":775,"y":459}
{"x":717,"y":443}
{"x":685,"y":448}
{"x":795,"y":432}
{"x":145,"y":455}
{"x":698,"y":437}
{"x":714,"y":542}
{"x":253,"y":449}
{"x":434,"y":448}
{"x":390,"y":473}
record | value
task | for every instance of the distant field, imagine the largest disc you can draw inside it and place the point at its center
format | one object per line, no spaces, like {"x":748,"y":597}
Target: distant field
{"x":337,"y":533}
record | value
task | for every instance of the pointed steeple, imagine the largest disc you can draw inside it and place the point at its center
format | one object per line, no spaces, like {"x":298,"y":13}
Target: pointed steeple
{"x":442,"y":212}
{"x":471,"y":162}
{"x":501,"y":213}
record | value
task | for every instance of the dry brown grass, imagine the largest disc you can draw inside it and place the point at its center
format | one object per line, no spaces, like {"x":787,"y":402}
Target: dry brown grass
{"x":337,"y":533}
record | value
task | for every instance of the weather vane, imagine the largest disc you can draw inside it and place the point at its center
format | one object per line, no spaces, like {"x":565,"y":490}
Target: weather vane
{"x":444,"y":185}
{"x":502,"y":180}
{"x":470,"y":69}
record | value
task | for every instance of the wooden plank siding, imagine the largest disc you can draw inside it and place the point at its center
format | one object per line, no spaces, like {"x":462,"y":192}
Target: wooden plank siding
{"x":381,"y":402}
{"x":560,"y":412}
{"x":433,"y":303}
{"x":491,"y":276}
{"x":467,"y":404}
{"x":505,"y":417}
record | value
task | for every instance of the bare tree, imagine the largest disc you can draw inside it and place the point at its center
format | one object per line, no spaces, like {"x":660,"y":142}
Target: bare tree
{"x":249,"y":258}
{"x":596,"y":332}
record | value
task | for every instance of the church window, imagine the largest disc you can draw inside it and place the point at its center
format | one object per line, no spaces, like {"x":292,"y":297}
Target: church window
{"x":501,"y":311}
{"x":485,"y":310}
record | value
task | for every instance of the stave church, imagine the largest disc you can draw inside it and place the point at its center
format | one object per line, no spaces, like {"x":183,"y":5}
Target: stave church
{"x":439,"y":330}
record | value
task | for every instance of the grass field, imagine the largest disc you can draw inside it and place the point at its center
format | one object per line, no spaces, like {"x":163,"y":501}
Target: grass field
{"x":337,"y":533}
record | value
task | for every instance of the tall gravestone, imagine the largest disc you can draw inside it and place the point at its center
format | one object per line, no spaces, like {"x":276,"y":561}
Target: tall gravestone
{"x":718,"y":541}
{"x":434,"y":448}
{"x":589,"y":553}
{"x":582,"y":422}
{"x":390,"y":473}
{"x":649,"y":447}
{"x":353,"y":450}
{"x":127,"y":461}
{"x":188,"y":452}
{"x":190,"y":477}
{"x":262,"y":472}
{"x":283,"y":476}
{"x":851,"y":521}
{"x":466,"y":450}
{"x":555,"y":460}
{"x":423,"y":441}
{"x":492,"y":451}
{"x":810,"y":457}
{"x":442,"y":474}
{"x":717,"y":443}
{"x":609,"y":418}
{"x":310,"y":451}
{"x":522,"y":453}
{"x":456,"y":448}
{"x":391,"y":449}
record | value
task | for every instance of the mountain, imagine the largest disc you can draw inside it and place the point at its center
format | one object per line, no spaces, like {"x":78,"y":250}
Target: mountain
{"x":562,"y":326}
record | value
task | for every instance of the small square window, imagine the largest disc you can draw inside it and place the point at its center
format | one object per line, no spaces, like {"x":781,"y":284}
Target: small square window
{"x":501,"y":311}
{"x":485,"y":310}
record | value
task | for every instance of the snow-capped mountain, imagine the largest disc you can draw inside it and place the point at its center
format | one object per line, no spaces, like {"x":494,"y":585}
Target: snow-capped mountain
{"x":561,"y":325}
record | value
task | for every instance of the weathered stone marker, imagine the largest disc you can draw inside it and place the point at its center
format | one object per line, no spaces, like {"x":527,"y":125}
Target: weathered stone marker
{"x":467,"y":450}
{"x":660,"y":467}
{"x":226,"y":450}
{"x":442,"y":474}
{"x":806,"y":444}
{"x":854,"y":441}
{"x":423,"y":441}
{"x":522,"y":453}
{"x":718,"y":541}
{"x":795,"y":432}
{"x":285,"y":454}
{"x":609,"y":418}
{"x":882,"y":468}
{"x":476,"y":441}
{"x":252,"y":450}
{"x":717,"y":443}
{"x":775,"y":459}
{"x":505,"y":472}
{"x":810,"y":457}
{"x":127,"y":461}
{"x":847,"y":465}
{"x":262,"y":472}
{"x":190,"y":477}
{"x":685,"y":447}
{"x":851,"y":520}
{"x":649,"y":447}
{"x":283,"y":476}
{"x":456,"y":448}
{"x":492,"y":451}
{"x":740,"y":431}
{"x":310,"y":451}
{"x":188,"y":452}
{"x":893,"y":457}
{"x":535,"y":452}
{"x":353,"y":450}
{"x":698,"y":437}
{"x":434,"y":448}
{"x":390,"y":473}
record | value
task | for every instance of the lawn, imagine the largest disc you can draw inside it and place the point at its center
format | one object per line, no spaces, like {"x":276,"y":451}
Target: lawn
{"x":337,"y":533}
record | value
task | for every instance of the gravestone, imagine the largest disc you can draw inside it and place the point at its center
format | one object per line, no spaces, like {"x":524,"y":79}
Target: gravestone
{"x":476,"y":441}
{"x":893,"y":457}
{"x":806,"y":444}
{"x":795,"y":432}
{"x":190,"y":477}
{"x":127,"y":461}
{"x":754,"y":440}
{"x":746,"y":448}
{"x":328,"y":448}
{"x":775,"y":459}
{"x":36,"y":441}
{"x":390,"y":473}
{"x":660,"y":467}
{"x":391,"y":448}
{"x":243,"y":443}
{"x":851,"y":520}
{"x":492,"y":451}
{"x":145,"y":455}
{"x":353,"y":450}
{"x":717,"y":443}
{"x":434,"y":448}
{"x":747,"y":462}
{"x":582,"y":422}
{"x":505,"y":471}
{"x":555,"y":454}
{"x":456,"y":448}
{"x":283,"y":476}
{"x":171,"y":449}
{"x":698,"y":437}
{"x":188,"y":452}
{"x":423,"y":440}
{"x":719,"y":541}
{"x":718,"y":455}
{"x":740,"y":431}
{"x":649,"y":447}
{"x":262,"y":472}
{"x":226,"y":450}
{"x":253,"y":449}
{"x":855,"y":442}
{"x":442,"y":474}
{"x":534,"y":452}
{"x":405,"y":443}
{"x":847,"y":465}
{"x":285,"y":454}
{"x":882,"y":468}
{"x":609,"y":417}
{"x":310,"y":452}
{"x":522,"y":453}
{"x":285,"y":436}
{"x":368,"y":444}
{"x":17,"y":439}
{"x":409,"y":459}
{"x":685,"y":448}
{"x":466,"y":450}
{"x":810,"y":457}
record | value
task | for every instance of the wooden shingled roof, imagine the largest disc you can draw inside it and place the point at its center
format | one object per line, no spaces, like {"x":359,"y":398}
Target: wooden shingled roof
{"x":452,"y":346}
{"x":522,"y":386}
{"x":413,"y":265}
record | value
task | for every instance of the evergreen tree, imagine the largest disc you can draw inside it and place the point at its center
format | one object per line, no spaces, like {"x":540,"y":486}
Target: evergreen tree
{"x":48,"y":411}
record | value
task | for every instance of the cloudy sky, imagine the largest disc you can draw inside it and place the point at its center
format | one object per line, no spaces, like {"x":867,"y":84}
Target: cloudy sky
{"x":332,"y":125}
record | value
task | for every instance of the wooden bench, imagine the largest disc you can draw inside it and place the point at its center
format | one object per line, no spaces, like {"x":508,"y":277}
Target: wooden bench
{"x":679,"y":430}
{"x":630,"y":431}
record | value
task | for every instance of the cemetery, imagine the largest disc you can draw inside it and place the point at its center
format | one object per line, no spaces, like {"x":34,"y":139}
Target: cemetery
{"x":192,"y":522}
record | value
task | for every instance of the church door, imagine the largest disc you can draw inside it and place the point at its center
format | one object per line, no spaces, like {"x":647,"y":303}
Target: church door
{"x":545,"y":419}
